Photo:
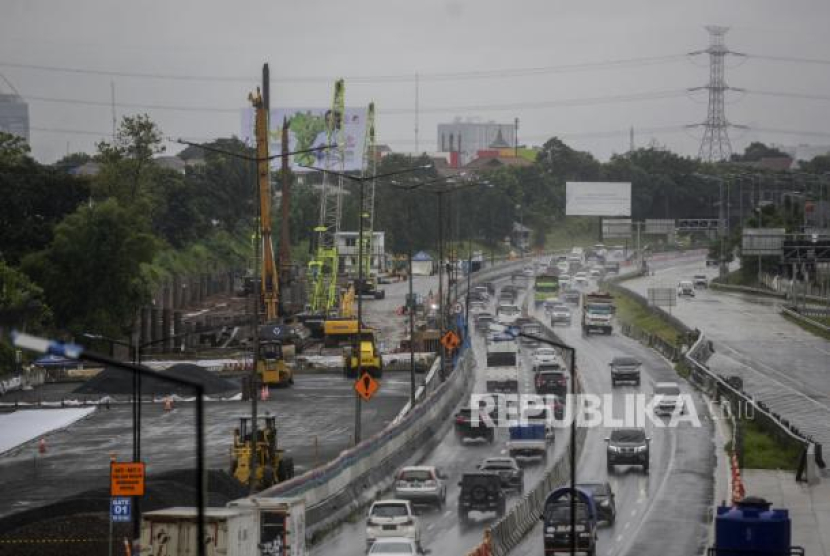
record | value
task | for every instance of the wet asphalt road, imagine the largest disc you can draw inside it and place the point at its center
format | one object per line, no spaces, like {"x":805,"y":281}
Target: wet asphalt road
{"x":677,"y":493}
{"x":780,"y":363}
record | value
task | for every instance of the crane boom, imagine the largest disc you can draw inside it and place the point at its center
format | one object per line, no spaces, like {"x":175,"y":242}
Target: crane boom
{"x":323,"y":268}
{"x":368,"y":209}
{"x":269,"y":287}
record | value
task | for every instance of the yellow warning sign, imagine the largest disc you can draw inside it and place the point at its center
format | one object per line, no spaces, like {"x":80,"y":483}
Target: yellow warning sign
{"x":366,"y":386}
{"x":126,"y":479}
{"x":450,"y":340}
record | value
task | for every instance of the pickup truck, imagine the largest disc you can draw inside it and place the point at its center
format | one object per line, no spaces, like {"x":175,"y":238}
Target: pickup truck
{"x":529,"y":441}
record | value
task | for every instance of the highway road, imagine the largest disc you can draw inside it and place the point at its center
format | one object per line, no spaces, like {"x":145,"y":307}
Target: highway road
{"x":780,"y":363}
{"x":678,"y":489}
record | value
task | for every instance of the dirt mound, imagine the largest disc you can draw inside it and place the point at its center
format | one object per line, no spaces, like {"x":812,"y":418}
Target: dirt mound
{"x":78,"y":525}
{"x":118,"y":381}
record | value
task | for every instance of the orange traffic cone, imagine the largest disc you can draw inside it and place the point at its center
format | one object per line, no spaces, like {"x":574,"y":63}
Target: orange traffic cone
{"x":41,"y":446}
{"x":264,"y":394}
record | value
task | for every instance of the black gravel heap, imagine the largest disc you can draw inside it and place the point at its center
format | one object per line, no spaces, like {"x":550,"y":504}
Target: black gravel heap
{"x":118,"y":381}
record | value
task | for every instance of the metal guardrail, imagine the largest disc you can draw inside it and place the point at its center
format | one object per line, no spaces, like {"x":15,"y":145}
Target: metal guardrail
{"x":804,"y":318}
{"x":746,"y":289}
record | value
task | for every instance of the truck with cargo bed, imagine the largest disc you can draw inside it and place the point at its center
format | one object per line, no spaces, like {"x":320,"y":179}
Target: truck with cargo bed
{"x":598,"y":313}
{"x":502,"y":372}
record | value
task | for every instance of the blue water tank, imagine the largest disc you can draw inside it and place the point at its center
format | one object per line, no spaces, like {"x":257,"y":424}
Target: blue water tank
{"x":752,"y":526}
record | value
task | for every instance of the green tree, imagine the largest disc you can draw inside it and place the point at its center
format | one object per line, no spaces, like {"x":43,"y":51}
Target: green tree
{"x":127,"y":162}
{"x":13,"y":149}
{"x":755,"y":151}
{"x":91,"y":273}
{"x":818,"y":165}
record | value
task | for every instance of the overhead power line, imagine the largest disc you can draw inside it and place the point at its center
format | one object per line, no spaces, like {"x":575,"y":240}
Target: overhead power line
{"x":792,"y":59}
{"x":389,"y":78}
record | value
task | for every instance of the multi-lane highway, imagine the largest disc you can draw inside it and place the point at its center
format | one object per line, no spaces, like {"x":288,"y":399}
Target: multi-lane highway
{"x":678,"y":488}
{"x":781,"y":363}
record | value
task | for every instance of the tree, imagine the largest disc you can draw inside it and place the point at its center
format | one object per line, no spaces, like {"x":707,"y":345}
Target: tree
{"x":91,"y":272}
{"x":34,"y":198}
{"x":755,"y":151}
{"x":818,"y":165}
{"x":127,"y":161}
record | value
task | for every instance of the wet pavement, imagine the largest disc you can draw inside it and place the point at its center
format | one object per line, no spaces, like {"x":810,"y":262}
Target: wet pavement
{"x":780,"y":363}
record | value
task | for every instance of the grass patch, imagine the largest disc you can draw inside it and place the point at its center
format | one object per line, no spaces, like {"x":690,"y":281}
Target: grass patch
{"x":633,"y":313}
{"x":810,"y":328}
{"x":764,"y":451}
{"x":576,"y":232}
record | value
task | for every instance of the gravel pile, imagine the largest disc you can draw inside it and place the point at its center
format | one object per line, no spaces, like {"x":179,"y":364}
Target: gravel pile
{"x":79,"y":525}
{"x":118,"y":381}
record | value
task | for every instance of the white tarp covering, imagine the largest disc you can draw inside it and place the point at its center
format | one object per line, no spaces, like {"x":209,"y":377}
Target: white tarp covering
{"x":596,"y":198}
{"x":28,"y":424}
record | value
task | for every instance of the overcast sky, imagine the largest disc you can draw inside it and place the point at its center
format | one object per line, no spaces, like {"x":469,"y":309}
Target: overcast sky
{"x":365,"y":38}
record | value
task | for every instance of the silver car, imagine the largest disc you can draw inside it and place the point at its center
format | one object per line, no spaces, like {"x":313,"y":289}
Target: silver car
{"x":421,"y":485}
{"x":560,"y":313}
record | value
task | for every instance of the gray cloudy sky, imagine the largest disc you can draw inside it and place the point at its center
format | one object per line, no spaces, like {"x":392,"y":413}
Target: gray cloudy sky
{"x":362,"y":38}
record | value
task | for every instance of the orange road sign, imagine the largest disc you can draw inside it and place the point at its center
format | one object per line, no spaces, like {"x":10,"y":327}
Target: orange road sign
{"x":126,"y":479}
{"x":450,"y":340}
{"x":366,"y":386}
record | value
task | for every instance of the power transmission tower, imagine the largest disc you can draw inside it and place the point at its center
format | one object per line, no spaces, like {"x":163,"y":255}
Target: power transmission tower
{"x":715,"y":145}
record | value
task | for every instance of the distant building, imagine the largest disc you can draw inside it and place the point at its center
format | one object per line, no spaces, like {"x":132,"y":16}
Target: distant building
{"x":467,"y":138}
{"x":14,"y":115}
{"x":803,"y":151}
{"x":346,"y":243}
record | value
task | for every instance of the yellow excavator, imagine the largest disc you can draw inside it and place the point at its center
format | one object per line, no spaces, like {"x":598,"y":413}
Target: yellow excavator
{"x":273,"y":465}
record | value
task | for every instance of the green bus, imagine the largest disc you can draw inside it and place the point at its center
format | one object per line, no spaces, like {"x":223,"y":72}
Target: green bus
{"x":545,"y":287}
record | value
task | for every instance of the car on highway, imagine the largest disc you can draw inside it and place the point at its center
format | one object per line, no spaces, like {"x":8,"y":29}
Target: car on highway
{"x":473,"y":427}
{"x":396,"y":546}
{"x":482,"y":291}
{"x":572,"y":297}
{"x":551,"y":382}
{"x":421,"y":485}
{"x":625,"y":369}
{"x":711,"y":262}
{"x":545,"y":355}
{"x":528,"y":271}
{"x":477,"y":307}
{"x":668,"y":400}
{"x":581,"y":278}
{"x":564,"y":281}
{"x":611,"y":268}
{"x":557,"y":519}
{"x":627,"y":447}
{"x":548,"y":304}
{"x":483,"y":322}
{"x":392,"y":518}
{"x":595,"y":273}
{"x":700,"y":281}
{"x":563,"y":267}
{"x":481,"y":491}
{"x":507,"y":314}
{"x":560,"y":313}
{"x":603,"y":498}
{"x":511,"y":475}
{"x":685,"y":288}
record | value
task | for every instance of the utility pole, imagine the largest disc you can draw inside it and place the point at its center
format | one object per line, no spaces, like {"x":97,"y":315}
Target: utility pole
{"x":715,"y":145}
{"x":417,"y":114}
{"x":411,"y":309}
{"x":112,"y":106}
{"x":285,"y":208}
{"x":516,"y":137}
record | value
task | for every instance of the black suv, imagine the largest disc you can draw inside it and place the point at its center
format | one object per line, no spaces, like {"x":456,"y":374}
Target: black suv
{"x":481,"y":491}
{"x":628,"y":447}
{"x":465,"y":428}
{"x":625,"y":369}
{"x":604,"y":500}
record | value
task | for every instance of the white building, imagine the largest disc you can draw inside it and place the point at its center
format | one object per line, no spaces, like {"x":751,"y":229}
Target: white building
{"x":346,"y":243}
{"x":14,"y":116}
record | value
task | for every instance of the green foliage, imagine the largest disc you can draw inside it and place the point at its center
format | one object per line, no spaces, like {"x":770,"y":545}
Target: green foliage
{"x":818,"y":165}
{"x":21,"y":301}
{"x":755,"y":151}
{"x":91,"y":272}
{"x":34,"y":199}
{"x":763,"y":451}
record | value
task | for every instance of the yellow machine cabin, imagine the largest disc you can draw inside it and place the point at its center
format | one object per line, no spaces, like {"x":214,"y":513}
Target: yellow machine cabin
{"x":366,"y":349}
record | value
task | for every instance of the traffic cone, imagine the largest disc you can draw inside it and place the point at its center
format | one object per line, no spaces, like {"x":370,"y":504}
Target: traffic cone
{"x":41,"y":446}
{"x":264,"y":394}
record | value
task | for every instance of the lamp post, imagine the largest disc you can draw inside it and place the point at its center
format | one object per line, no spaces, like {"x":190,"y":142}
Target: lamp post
{"x":74,"y":351}
{"x":361,"y":180}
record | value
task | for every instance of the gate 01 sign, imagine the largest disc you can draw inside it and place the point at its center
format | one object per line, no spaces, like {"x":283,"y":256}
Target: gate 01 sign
{"x":662,"y":297}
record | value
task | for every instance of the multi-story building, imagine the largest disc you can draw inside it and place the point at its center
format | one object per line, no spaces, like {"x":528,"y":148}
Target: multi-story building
{"x":347,"y":250}
{"x":14,"y":115}
{"x":467,"y":138}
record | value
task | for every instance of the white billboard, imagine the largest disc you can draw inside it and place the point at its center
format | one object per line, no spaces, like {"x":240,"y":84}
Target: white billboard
{"x":596,"y":198}
{"x":307,"y":130}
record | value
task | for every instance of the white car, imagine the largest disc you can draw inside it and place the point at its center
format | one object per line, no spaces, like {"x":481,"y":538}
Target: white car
{"x":563,"y":266}
{"x":581,"y":279}
{"x":686,"y":288}
{"x":421,"y":484}
{"x":477,"y":307}
{"x":507,"y":314}
{"x":564,"y":281}
{"x":528,"y":271}
{"x":392,"y":518}
{"x":395,"y":546}
{"x":668,"y":398}
{"x":545,"y":355}
{"x":595,"y":273}
{"x":560,"y":313}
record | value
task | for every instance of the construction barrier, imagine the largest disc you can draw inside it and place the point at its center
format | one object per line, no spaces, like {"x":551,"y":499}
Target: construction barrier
{"x":738,"y":490}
